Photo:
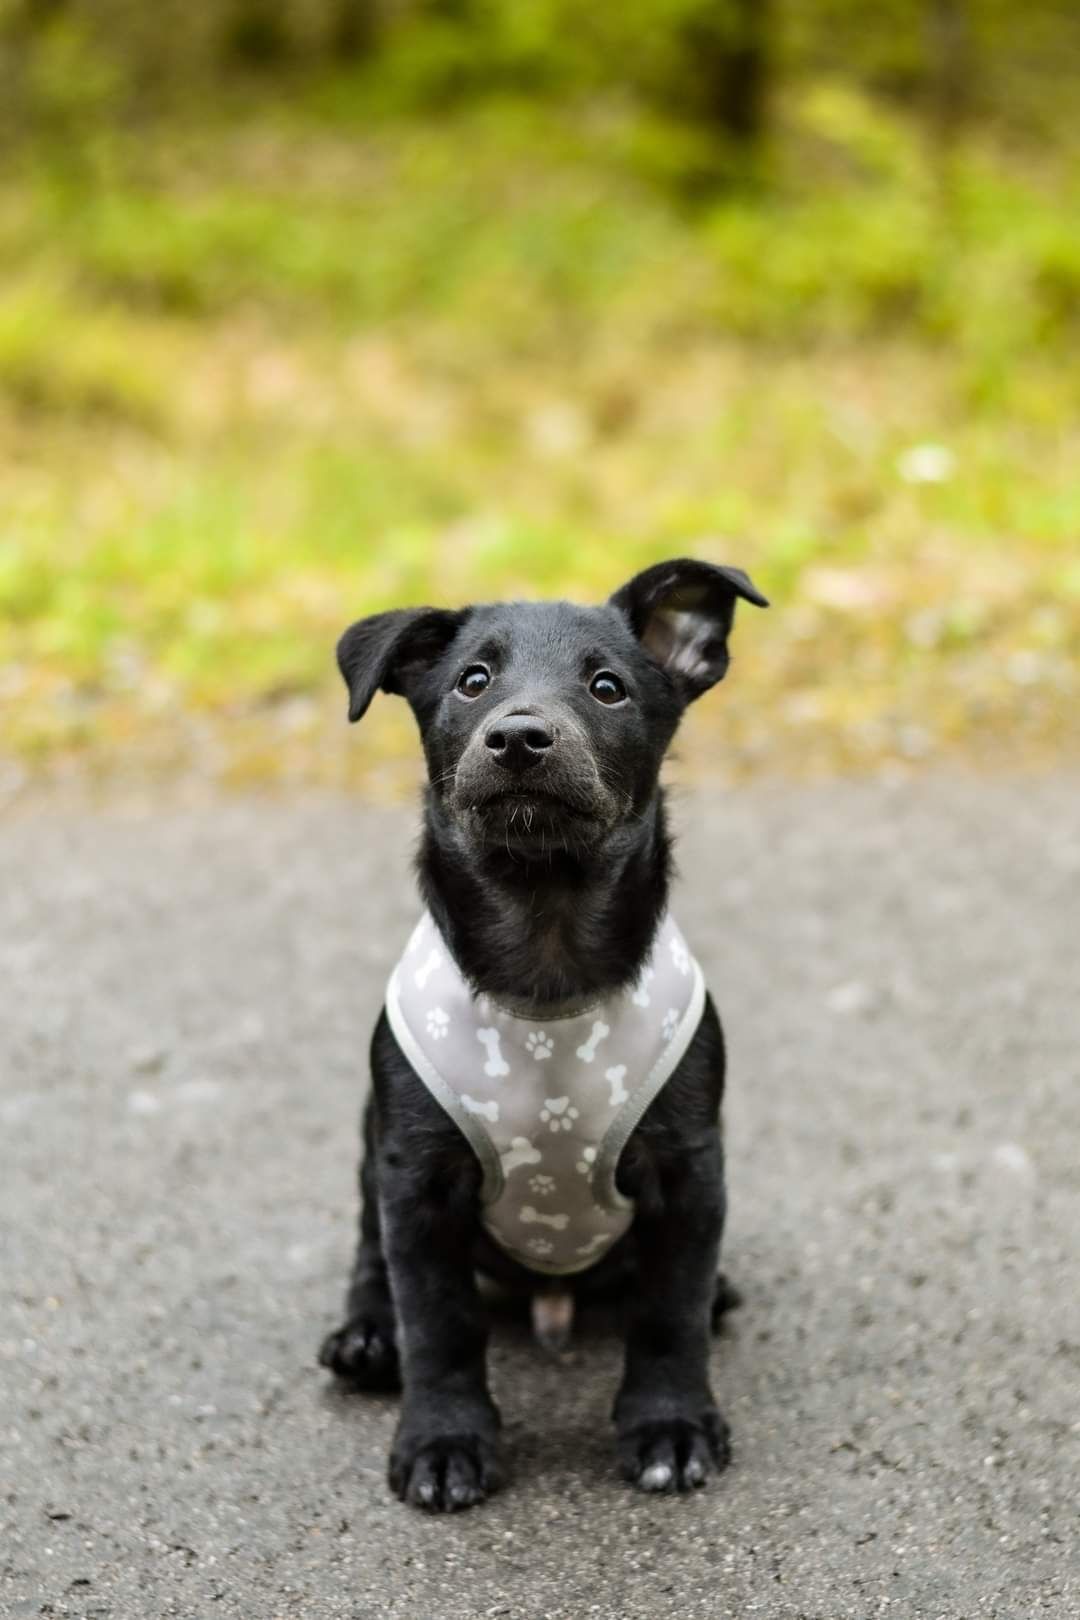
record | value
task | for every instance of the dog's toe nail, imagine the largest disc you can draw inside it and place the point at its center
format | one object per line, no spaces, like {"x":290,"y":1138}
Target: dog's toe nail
{"x":694,"y":1473}
{"x":461,"y":1487}
{"x":657,"y":1477}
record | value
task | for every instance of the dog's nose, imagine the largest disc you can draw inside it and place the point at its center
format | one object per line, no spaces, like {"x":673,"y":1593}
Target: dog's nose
{"x":519,"y":741}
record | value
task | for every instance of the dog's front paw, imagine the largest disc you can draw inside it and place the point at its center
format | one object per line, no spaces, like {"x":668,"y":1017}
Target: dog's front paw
{"x":675,"y":1454}
{"x":363,"y":1352}
{"x":445,"y":1473}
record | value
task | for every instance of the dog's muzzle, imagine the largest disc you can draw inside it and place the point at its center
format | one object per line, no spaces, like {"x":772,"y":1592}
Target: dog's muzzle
{"x":529,"y":776}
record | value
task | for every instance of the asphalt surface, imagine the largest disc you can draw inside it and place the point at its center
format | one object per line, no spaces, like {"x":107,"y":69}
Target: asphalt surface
{"x":187,"y":996}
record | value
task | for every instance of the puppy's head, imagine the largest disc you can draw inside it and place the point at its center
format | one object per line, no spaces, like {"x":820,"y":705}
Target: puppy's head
{"x":544,"y":724}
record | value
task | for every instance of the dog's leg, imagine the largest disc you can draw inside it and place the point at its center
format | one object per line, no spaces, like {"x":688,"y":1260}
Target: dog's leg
{"x":670,"y":1435}
{"x":364,"y":1349}
{"x":445,"y":1454}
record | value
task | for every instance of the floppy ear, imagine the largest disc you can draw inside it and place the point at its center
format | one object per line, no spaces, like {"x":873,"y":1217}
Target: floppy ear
{"x":682,"y":613}
{"x":390,"y":650}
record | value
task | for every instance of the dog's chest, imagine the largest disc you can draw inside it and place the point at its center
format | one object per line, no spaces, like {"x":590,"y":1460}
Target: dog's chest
{"x":547,"y":1105}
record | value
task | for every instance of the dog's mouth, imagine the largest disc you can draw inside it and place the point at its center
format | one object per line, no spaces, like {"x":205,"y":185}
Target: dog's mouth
{"x":528,"y":818}
{"x":530,"y":804}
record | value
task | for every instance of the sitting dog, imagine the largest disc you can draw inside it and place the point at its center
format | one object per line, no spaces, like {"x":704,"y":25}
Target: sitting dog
{"x":548,"y":1068}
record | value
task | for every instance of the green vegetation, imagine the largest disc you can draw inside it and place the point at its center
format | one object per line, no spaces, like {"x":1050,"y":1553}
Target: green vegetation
{"x":314,"y":355}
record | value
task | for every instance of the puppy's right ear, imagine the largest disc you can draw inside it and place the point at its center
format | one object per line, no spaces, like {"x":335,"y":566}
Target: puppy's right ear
{"x":682,"y":613}
{"x":392,"y":650}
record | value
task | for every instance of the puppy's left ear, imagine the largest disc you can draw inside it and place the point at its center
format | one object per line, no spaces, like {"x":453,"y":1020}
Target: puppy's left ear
{"x":392,"y":651}
{"x":682,"y":613}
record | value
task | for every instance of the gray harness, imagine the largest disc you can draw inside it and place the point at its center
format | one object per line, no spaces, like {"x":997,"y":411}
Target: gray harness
{"x":547,"y":1104}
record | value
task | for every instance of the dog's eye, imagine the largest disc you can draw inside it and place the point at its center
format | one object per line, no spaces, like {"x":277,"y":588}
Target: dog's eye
{"x":607,"y":688}
{"x":473,"y":680}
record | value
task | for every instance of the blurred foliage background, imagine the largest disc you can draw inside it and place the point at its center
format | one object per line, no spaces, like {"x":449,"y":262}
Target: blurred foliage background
{"x":314,"y":307}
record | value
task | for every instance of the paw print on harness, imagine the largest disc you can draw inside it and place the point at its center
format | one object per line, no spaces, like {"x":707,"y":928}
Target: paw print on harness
{"x":543,"y":1186}
{"x":558,"y":1114}
{"x":438,"y":1023}
{"x":539,"y":1044}
{"x":539,"y":1246}
{"x":587,"y":1163}
{"x":670,"y":1024}
{"x":679,"y":954}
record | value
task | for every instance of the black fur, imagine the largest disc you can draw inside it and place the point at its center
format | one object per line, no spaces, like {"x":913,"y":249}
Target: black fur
{"x":545,"y":861}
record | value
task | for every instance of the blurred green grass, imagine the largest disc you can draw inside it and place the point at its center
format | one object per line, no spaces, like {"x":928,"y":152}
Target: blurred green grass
{"x":259,"y":377}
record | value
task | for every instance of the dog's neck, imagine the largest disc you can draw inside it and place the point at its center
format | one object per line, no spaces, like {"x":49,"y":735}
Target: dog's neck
{"x":551,"y":935}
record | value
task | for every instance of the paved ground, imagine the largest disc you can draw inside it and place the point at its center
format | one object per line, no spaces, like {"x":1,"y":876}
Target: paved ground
{"x":187,"y":997}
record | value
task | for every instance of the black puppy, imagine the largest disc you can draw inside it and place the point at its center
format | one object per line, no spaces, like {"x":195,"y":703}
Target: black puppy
{"x":544,"y":865}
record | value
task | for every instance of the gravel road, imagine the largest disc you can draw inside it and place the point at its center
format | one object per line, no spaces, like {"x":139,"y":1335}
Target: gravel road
{"x":187,"y":995}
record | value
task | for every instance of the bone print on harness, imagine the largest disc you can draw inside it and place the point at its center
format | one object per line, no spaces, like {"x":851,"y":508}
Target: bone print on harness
{"x":491,"y":1041}
{"x":547,"y":1105}
{"x":599,"y":1032}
